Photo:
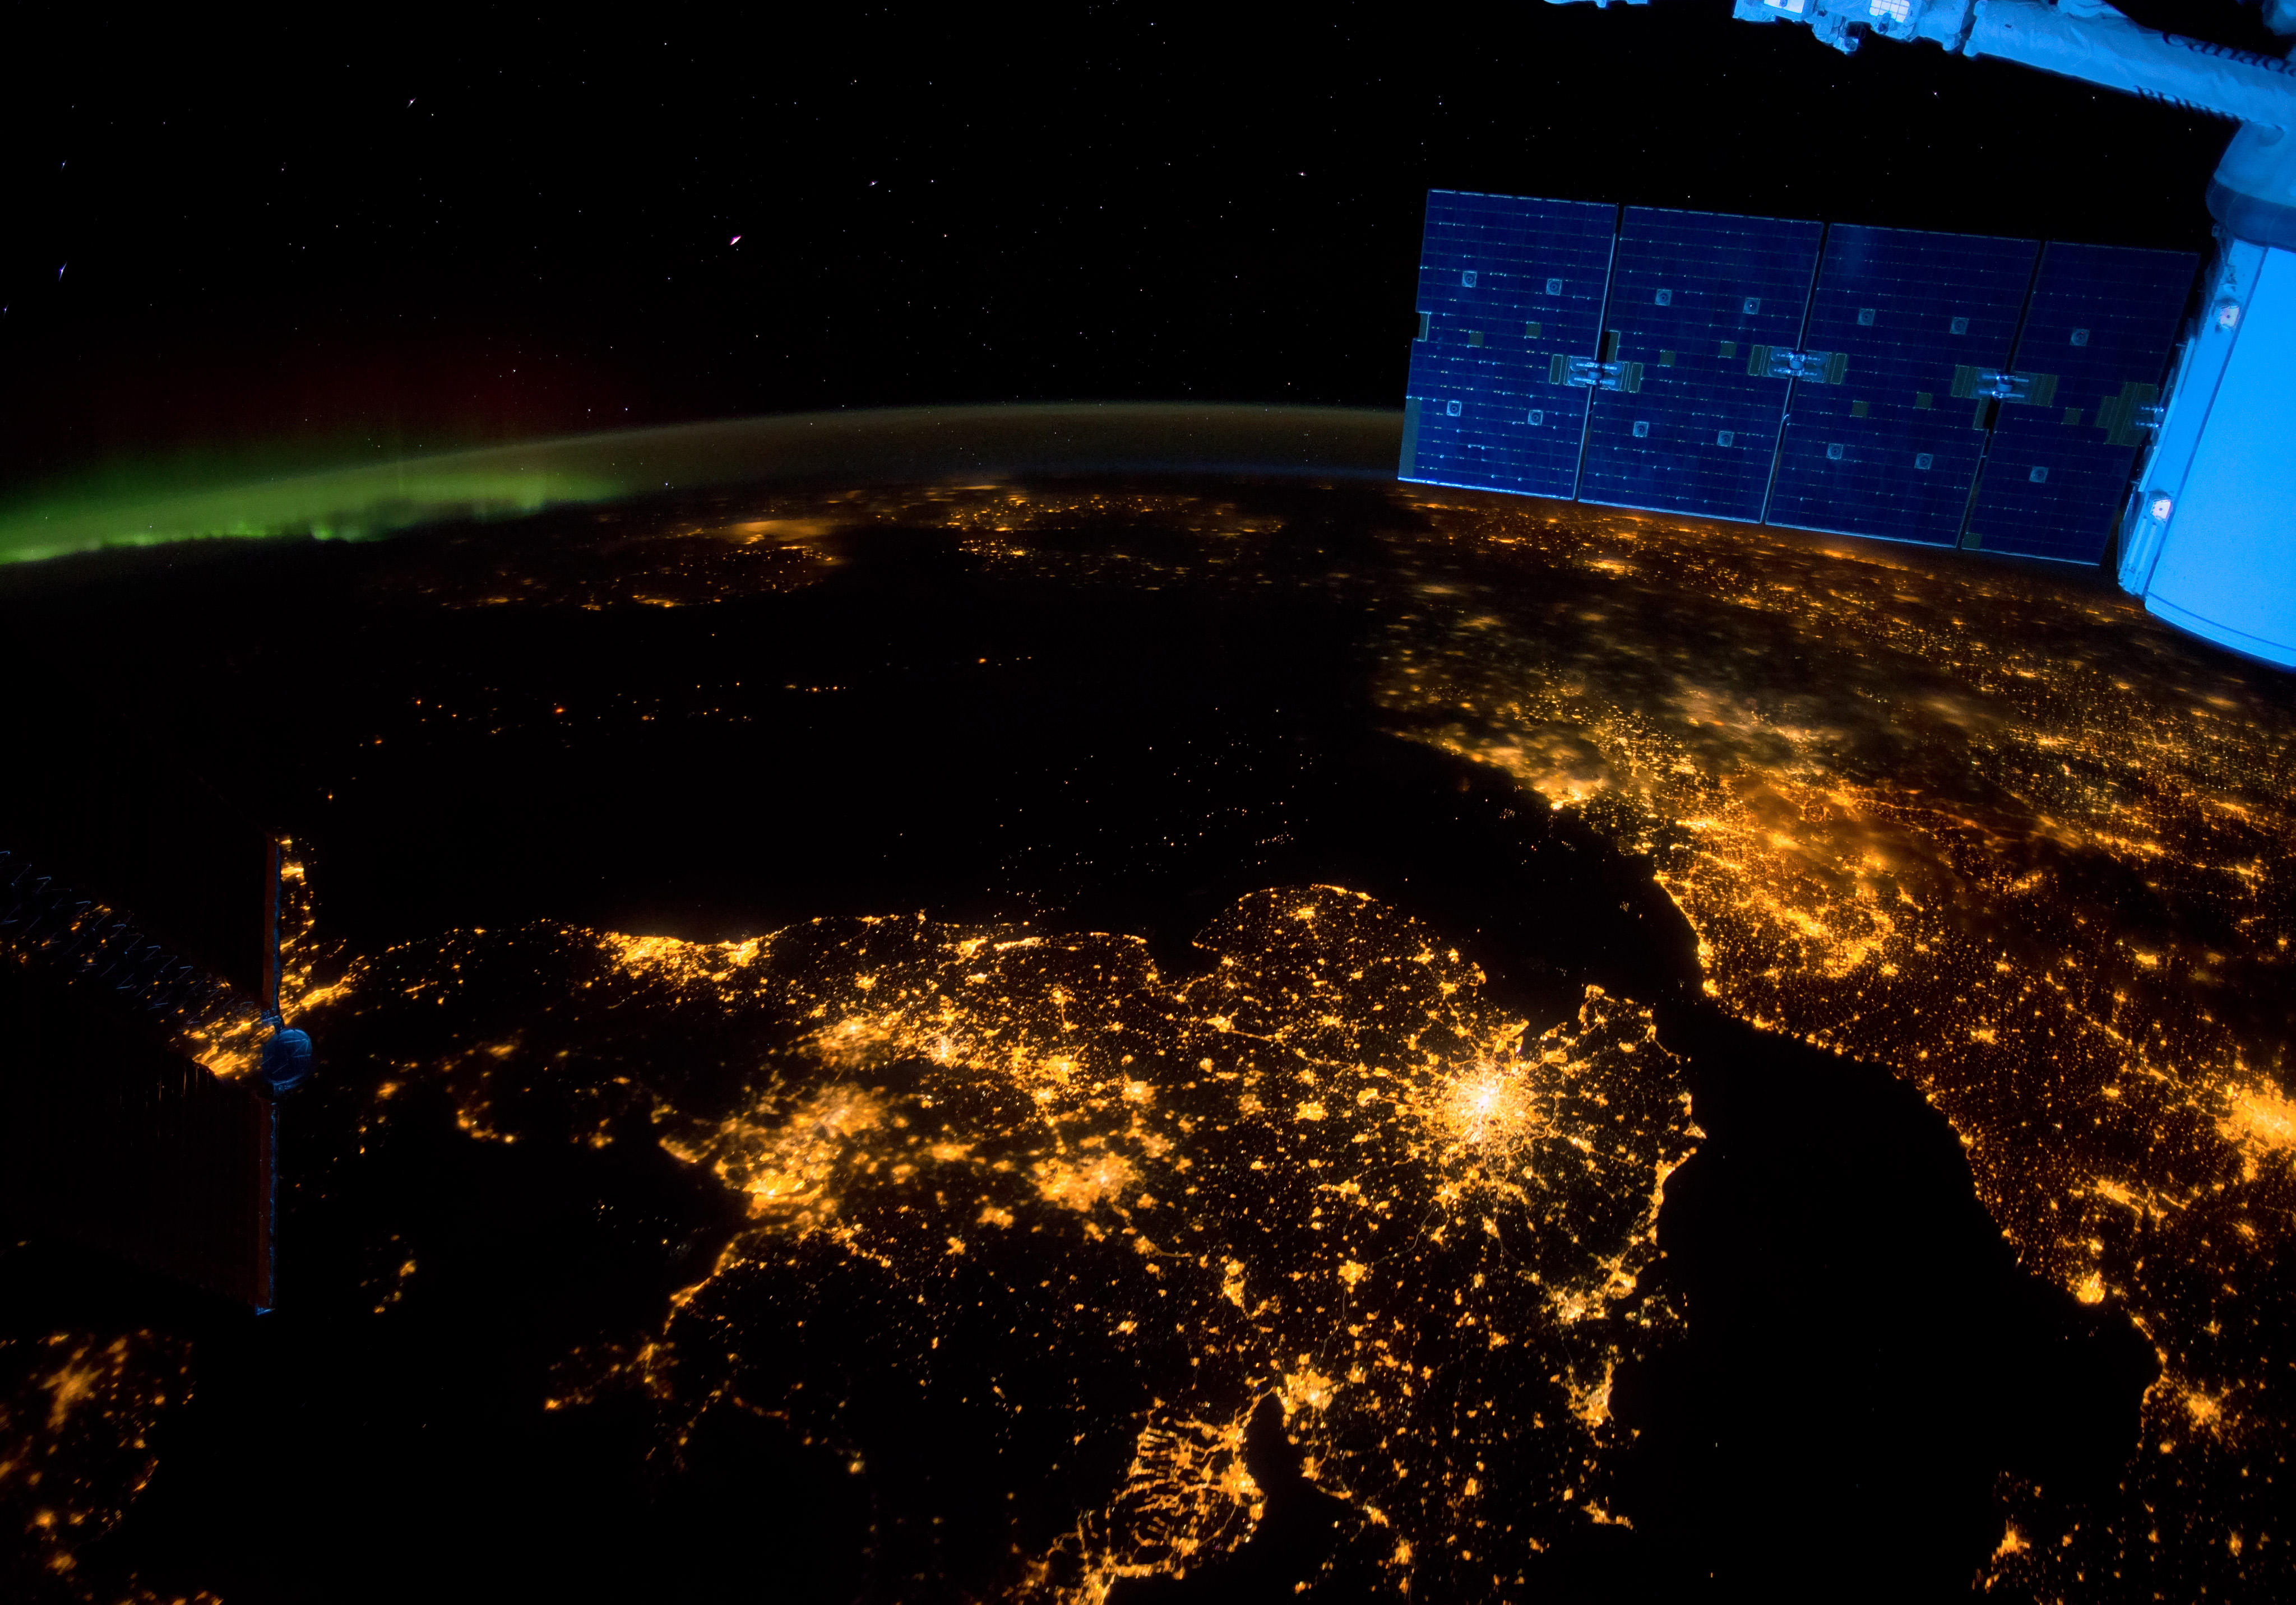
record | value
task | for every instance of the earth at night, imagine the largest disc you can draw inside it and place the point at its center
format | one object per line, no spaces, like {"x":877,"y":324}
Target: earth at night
{"x":1177,"y":1029}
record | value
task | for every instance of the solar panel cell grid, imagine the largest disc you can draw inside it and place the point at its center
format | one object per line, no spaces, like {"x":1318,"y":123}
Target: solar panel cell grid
{"x":1683,"y":363}
{"x":2101,"y":321}
{"x":1904,"y":309}
{"x":1689,"y":291}
{"x":1505,"y":285}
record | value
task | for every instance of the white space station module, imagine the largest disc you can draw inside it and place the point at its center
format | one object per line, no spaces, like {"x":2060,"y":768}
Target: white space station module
{"x":2032,"y":399}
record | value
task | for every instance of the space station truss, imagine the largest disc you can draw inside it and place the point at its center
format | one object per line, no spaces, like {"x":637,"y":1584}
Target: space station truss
{"x":1949,"y":389}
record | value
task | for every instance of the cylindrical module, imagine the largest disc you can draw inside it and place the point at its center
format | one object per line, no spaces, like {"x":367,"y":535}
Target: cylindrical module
{"x":2253,"y":192}
{"x":2112,"y":51}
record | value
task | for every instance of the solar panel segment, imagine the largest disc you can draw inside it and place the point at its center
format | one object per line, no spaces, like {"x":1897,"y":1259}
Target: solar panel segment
{"x":1692,"y":296}
{"x":2100,"y":323}
{"x":1506,"y":284}
{"x":1889,"y":451}
{"x":1682,"y":362}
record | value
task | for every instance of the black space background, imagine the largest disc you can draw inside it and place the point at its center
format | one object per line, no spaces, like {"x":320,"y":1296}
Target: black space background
{"x":322,"y":235}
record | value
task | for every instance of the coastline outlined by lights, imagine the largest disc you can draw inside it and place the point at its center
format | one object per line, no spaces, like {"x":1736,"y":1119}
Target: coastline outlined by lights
{"x":1986,"y":828}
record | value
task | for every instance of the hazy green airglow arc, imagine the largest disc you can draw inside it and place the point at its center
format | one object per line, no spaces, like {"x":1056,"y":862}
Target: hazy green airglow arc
{"x":506,"y":481}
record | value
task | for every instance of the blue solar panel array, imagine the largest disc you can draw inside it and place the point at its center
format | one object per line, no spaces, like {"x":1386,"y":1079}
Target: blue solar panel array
{"x":1891,"y":451}
{"x":1505,"y":285}
{"x":2100,"y":322}
{"x":1692,"y":296}
{"x":1941,"y":389}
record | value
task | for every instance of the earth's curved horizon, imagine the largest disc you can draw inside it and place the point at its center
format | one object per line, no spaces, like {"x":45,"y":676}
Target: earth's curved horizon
{"x":877,"y":445}
{"x":1543,"y":1047}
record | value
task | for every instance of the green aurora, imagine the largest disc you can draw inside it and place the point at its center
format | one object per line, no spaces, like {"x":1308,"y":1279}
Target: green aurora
{"x":509,"y":481}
